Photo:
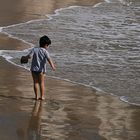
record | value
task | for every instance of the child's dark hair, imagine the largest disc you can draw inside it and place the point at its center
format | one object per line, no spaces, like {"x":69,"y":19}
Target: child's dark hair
{"x":44,"y":40}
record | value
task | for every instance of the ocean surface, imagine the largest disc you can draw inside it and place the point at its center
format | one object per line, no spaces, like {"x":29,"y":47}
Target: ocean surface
{"x":98,"y":46}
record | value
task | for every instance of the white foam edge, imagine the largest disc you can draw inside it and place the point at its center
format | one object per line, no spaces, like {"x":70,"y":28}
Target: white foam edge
{"x":108,"y":1}
{"x":49,"y":17}
{"x":11,"y":36}
{"x":98,"y":90}
{"x":123,"y":98}
{"x":1,"y":29}
{"x":124,"y":2}
{"x":97,"y":5}
{"x":8,"y":59}
{"x":100,"y":3}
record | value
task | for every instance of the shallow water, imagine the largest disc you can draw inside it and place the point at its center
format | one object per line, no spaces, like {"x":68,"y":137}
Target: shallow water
{"x":97,"y":46}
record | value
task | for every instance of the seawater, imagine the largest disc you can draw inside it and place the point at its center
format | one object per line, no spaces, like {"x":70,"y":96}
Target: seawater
{"x":98,"y":46}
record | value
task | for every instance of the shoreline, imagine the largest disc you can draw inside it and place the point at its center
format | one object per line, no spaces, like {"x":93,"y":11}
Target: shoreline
{"x":50,"y":16}
{"x":28,"y":45}
{"x":70,"y":111}
{"x":54,"y":10}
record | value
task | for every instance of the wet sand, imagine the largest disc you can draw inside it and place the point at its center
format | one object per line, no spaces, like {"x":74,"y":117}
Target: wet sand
{"x":70,"y":111}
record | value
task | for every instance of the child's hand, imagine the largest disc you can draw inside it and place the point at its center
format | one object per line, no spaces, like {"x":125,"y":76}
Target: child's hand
{"x":54,"y":68}
{"x":51,"y":64}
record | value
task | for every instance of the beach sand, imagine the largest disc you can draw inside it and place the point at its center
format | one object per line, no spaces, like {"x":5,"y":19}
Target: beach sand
{"x":70,"y":111}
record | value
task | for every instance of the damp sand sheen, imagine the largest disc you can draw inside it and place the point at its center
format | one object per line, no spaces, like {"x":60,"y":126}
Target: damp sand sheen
{"x":71,"y":111}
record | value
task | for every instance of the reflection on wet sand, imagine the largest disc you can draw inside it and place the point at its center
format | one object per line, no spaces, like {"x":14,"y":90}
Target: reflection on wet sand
{"x":34,"y":130}
{"x":46,"y":122}
{"x":117,"y":119}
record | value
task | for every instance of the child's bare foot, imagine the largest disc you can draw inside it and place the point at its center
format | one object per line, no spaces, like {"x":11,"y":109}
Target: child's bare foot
{"x":36,"y":98}
{"x":42,"y":98}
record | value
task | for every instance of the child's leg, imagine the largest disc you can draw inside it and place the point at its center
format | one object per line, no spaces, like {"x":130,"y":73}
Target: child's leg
{"x":42,"y":85}
{"x":36,"y":84}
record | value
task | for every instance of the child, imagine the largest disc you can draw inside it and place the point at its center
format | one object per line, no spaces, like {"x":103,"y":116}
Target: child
{"x":40,"y":56}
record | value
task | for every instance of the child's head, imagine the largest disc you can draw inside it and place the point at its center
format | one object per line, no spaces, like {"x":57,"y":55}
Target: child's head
{"x":44,"y":40}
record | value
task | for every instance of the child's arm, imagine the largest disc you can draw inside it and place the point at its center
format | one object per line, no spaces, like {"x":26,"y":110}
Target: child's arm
{"x":51,"y":63}
{"x":30,"y":54}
